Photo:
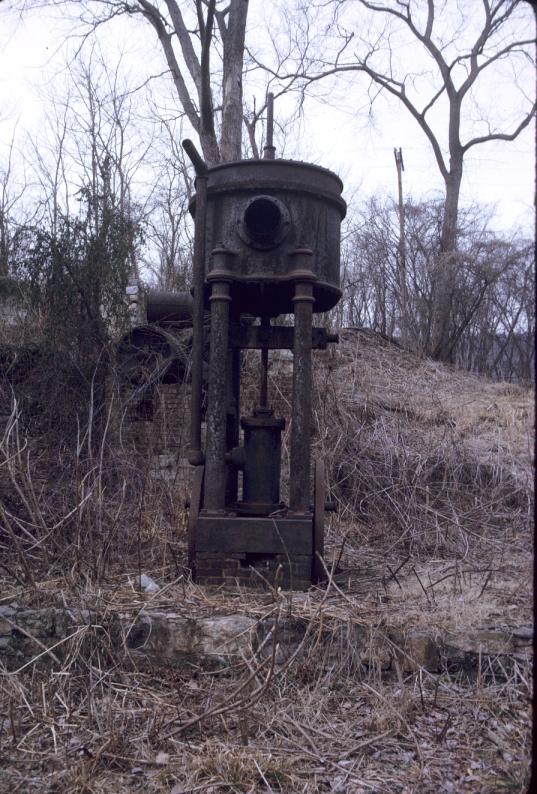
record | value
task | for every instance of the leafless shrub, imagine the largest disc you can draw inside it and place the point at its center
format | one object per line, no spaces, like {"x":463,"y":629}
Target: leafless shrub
{"x":424,"y":462}
{"x":83,"y":507}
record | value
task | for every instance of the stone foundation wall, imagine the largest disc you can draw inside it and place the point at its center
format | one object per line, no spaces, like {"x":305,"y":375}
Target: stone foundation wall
{"x":47,"y":636}
{"x":156,"y":427}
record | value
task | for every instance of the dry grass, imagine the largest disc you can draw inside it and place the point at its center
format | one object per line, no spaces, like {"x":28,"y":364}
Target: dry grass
{"x":425,"y":458}
{"x":320,"y":722}
{"x":431,"y":469}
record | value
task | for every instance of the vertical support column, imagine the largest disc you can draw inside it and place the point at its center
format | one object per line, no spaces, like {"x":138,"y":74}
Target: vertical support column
{"x":233,"y":421}
{"x":215,"y":446}
{"x":299,"y":496}
{"x":195,"y":454}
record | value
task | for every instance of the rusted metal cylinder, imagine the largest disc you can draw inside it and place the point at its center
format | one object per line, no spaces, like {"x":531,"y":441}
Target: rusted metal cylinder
{"x":262,"y":462}
{"x":200,"y":166}
{"x":195,"y":454}
{"x":269,"y":150}
{"x":299,"y":496}
{"x":215,"y":449}
{"x":169,"y":307}
{"x":264,"y":209}
{"x":232,"y":421}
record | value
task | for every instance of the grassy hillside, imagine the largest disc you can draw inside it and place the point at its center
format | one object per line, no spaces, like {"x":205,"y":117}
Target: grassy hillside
{"x":424,"y":458}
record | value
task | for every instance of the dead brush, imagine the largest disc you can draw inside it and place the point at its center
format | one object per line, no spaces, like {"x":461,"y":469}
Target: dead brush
{"x":81,"y":509}
{"x":321,"y":711}
{"x":412,"y":455}
{"x":420,"y":473}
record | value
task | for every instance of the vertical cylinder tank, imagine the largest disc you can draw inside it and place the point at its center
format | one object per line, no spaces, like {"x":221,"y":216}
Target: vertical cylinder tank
{"x":262,"y":460}
{"x":264,"y":210}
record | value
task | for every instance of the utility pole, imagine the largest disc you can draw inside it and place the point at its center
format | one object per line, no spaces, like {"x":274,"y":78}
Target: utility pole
{"x":401,"y":247}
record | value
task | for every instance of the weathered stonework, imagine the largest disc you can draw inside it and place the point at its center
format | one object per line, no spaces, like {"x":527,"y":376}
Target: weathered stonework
{"x":159,"y":436}
{"x":46,"y":636}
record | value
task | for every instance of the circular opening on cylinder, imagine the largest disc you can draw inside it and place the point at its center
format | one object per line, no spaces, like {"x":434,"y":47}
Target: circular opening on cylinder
{"x":262,"y":220}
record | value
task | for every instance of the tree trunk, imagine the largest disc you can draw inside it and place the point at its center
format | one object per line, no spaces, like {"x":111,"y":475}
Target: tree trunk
{"x":4,"y":245}
{"x":231,"y":133}
{"x":447,"y":267}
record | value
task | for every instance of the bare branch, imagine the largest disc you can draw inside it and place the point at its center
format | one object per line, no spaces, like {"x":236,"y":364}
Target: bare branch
{"x":153,"y":16}
{"x":190,"y":57}
{"x":503,"y":136}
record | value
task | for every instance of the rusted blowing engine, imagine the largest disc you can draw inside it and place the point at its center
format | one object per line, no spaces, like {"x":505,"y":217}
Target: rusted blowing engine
{"x":267,"y":242}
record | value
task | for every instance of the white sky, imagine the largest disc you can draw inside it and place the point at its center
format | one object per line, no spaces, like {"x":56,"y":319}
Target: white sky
{"x":500,"y":175}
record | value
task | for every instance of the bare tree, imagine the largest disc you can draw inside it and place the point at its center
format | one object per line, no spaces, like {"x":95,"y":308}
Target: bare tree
{"x":11,"y":218}
{"x":444,"y":107}
{"x":492,"y":318}
{"x":168,"y":249}
{"x":500,"y":339}
{"x":190,"y":37}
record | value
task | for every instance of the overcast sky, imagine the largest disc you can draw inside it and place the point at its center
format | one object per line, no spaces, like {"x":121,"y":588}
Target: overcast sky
{"x":500,"y":175}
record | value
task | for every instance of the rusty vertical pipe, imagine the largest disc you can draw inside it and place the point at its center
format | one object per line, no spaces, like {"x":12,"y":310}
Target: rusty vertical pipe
{"x":215,"y":446}
{"x":263,"y":384}
{"x":195,"y":454}
{"x":299,"y":496}
{"x":233,"y":421}
{"x":269,"y":150}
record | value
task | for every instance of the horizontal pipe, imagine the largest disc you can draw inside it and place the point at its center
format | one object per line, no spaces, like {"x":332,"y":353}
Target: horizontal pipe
{"x":169,"y":307}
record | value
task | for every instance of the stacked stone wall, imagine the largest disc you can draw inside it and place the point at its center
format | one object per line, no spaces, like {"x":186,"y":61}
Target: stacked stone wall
{"x":156,"y":427}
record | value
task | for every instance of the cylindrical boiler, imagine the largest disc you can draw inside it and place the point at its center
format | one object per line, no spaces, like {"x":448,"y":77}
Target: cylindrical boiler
{"x":264,"y":210}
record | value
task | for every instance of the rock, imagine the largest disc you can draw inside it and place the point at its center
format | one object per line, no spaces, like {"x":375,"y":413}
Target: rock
{"x":416,"y":649}
{"x":147,"y":584}
{"x":523,"y":636}
{"x":488,"y":651}
{"x":172,"y":638}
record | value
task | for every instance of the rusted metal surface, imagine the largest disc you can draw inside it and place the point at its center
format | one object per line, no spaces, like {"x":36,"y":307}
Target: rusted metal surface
{"x":262,"y":463}
{"x":232,"y":534}
{"x":200,"y":166}
{"x":153,"y":355}
{"x":169,"y":307}
{"x":319,"y":507}
{"x":269,"y":150}
{"x":267,"y":242}
{"x":233,"y":419}
{"x":195,"y":455}
{"x":215,"y":447}
{"x":302,"y":386}
{"x":279,"y":337}
{"x":196,"y":495}
{"x":264,"y":209}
